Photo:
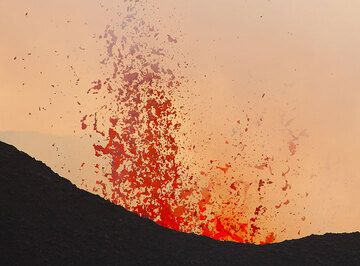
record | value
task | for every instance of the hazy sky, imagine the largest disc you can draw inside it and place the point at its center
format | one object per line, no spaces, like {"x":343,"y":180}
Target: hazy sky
{"x":304,"y":55}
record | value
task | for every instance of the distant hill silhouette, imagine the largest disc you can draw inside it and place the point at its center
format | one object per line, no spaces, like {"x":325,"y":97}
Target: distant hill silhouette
{"x":44,"y":219}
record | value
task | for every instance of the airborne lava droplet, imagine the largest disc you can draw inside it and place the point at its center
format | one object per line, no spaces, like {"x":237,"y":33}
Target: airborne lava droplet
{"x":224,"y":168}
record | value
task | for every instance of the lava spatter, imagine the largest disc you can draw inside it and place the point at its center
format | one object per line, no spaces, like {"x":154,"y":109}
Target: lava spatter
{"x":137,"y":126}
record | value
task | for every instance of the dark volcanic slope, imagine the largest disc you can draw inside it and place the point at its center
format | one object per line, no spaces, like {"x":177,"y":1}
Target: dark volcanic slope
{"x":44,"y":219}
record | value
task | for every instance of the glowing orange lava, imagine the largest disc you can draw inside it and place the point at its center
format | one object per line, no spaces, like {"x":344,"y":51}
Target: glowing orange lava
{"x":137,"y":127}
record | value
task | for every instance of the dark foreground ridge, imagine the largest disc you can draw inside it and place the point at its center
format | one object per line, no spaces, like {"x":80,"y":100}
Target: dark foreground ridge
{"x":44,"y":219}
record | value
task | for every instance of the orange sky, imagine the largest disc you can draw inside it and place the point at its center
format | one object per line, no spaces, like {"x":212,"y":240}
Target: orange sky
{"x":303,"y":55}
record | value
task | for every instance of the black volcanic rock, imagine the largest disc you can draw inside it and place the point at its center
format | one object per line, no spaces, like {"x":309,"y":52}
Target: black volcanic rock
{"x":44,"y":219}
